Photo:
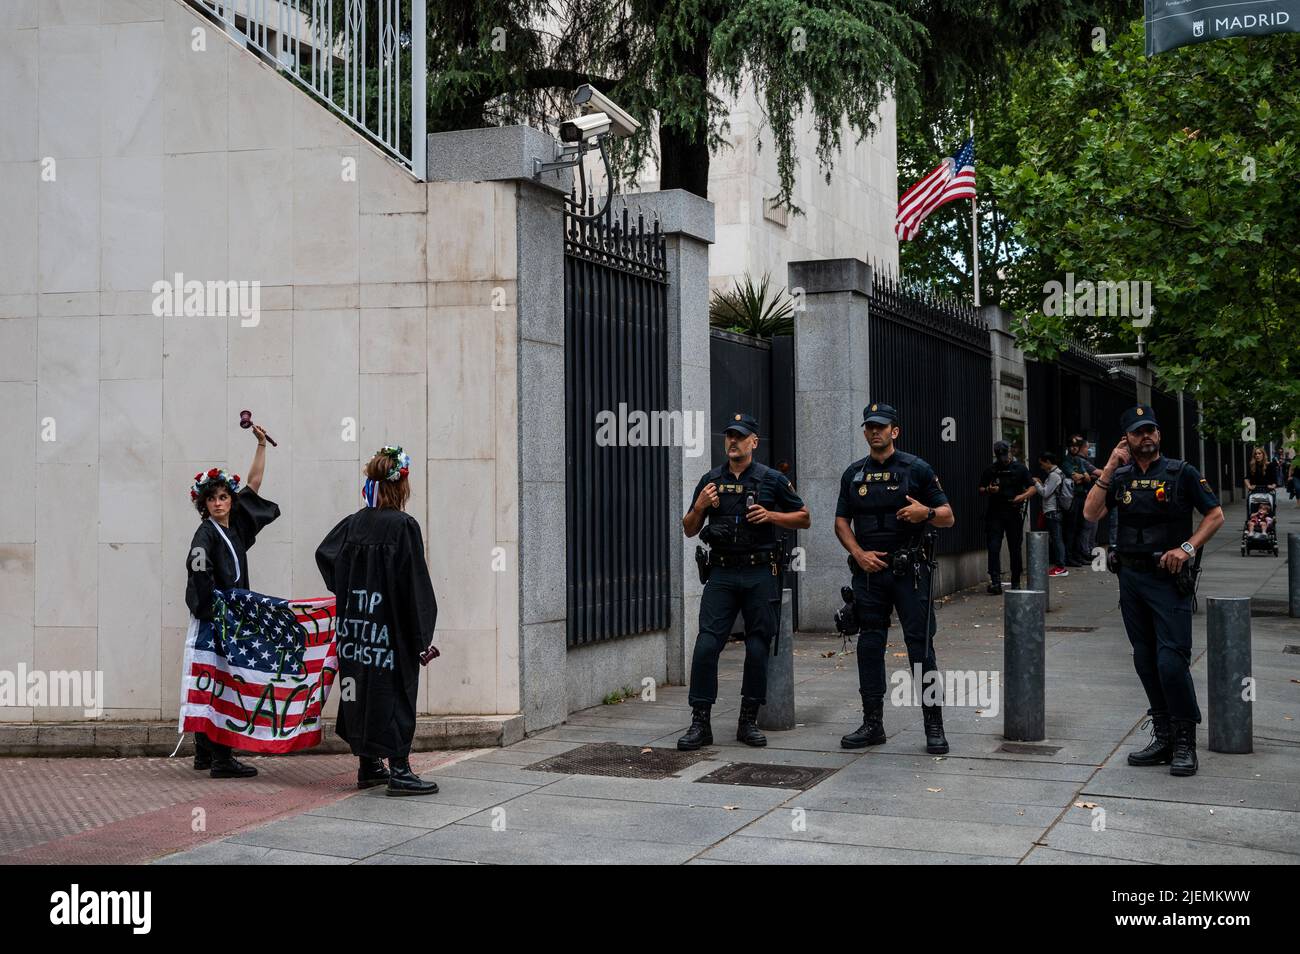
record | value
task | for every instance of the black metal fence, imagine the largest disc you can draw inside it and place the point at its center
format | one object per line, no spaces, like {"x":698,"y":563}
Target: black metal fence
{"x":930,"y":359}
{"x":615,"y":363}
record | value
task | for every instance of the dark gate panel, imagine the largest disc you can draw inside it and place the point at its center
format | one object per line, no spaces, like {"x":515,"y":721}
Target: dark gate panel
{"x":615,"y":353}
{"x":930,"y":359}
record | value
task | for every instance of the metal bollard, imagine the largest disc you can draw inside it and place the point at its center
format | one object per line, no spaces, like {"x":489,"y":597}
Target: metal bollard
{"x":1024,"y":664}
{"x":1227,"y":669}
{"x":1036,"y":565}
{"x":1293,"y":572}
{"x":778,"y":713}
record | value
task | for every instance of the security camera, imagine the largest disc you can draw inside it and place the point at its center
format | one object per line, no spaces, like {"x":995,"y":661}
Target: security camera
{"x":582,"y":128}
{"x":593,"y":101}
{"x":1114,"y":371}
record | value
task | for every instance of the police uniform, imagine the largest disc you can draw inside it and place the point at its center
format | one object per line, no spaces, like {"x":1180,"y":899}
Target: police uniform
{"x":743,"y":578}
{"x":1005,"y":480}
{"x":1154,"y":509}
{"x":871,"y":493}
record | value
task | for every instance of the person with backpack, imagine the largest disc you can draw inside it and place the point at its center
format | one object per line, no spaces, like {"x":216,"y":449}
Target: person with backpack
{"x":1058,"y":498}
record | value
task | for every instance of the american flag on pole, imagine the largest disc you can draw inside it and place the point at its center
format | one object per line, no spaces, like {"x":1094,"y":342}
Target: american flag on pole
{"x":257,"y":677}
{"x":952,"y":179}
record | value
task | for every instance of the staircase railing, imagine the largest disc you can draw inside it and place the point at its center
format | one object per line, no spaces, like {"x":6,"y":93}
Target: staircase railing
{"x":357,"y":57}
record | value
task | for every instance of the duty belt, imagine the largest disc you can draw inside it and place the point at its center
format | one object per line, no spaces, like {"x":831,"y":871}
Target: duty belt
{"x":1142,"y":562}
{"x":742,"y":558}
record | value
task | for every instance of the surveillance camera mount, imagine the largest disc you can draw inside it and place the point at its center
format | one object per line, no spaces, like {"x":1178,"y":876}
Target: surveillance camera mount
{"x":571,"y":156}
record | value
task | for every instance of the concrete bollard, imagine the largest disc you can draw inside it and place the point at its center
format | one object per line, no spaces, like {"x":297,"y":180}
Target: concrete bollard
{"x":1293,"y":572}
{"x":1024,"y":664}
{"x":1037,"y":563}
{"x":1227,"y":630}
{"x":778,"y":714}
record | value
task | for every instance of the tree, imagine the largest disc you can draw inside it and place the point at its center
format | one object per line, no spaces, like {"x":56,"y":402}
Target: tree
{"x":1179,"y":170}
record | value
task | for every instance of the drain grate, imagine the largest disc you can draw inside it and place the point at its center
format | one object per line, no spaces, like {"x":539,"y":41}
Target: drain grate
{"x":619,"y":761}
{"x":768,"y":776}
{"x":1291,"y":649}
{"x":1028,"y":748}
{"x":1269,"y":607}
{"x":1070,"y":629}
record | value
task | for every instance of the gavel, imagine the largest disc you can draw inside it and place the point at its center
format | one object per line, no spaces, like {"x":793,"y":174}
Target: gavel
{"x":246,"y":421}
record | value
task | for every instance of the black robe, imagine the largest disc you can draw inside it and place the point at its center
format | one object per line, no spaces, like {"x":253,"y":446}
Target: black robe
{"x":373,"y":563}
{"x":219,"y":568}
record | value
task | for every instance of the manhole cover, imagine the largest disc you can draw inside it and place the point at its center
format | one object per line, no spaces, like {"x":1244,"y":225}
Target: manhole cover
{"x":1028,"y":748}
{"x":1070,"y":629}
{"x":620,"y":761}
{"x":1291,"y":649}
{"x":1269,"y":607}
{"x":768,"y":776}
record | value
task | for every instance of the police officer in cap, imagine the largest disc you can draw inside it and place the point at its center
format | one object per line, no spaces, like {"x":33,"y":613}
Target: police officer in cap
{"x":1008,"y":485}
{"x":887,"y":501}
{"x":1155,"y":547}
{"x":742,"y":507}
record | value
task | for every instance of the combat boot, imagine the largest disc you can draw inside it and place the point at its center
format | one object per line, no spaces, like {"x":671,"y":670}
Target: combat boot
{"x":872,"y":730}
{"x":225,"y":766}
{"x":935,"y":741}
{"x":1160,"y":750}
{"x":402,"y":781}
{"x":700,"y":733}
{"x":371,"y":772}
{"x":995,"y":584}
{"x":202,"y":752}
{"x":1184,"y":758}
{"x":747,"y":726}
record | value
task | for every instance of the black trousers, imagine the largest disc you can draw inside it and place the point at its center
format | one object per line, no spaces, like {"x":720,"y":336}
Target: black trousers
{"x":1159,"y":623}
{"x":751,"y":591}
{"x":215,"y":750}
{"x":874,"y":596}
{"x":1012,"y":525}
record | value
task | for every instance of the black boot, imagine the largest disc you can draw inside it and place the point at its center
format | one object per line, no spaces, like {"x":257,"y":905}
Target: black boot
{"x":700,"y":733}
{"x":995,"y":584}
{"x":872,"y":730}
{"x":371,"y":772}
{"x":935,"y":741}
{"x":202,"y":752}
{"x":1160,"y":749}
{"x":224,"y":765}
{"x":1015,"y":582}
{"x":1184,"y":758}
{"x":402,"y":781}
{"x":747,"y":726}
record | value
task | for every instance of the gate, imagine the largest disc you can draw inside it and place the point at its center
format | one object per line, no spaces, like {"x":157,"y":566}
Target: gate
{"x":616,"y":363}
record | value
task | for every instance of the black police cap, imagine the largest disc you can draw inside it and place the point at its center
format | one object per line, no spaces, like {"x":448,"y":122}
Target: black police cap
{"x":743,"y":424}
{"x":1137,"y":416}
{"x":879,"y":414}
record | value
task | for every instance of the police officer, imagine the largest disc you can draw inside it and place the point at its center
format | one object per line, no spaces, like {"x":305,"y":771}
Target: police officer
{"x":1007,"y":485}
{"x":743,"y":507}
{"x":1155,"y":497}
{"x":887,"y":500}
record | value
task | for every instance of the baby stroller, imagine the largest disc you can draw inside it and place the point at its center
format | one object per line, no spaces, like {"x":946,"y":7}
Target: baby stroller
{"x":1252,"y":540}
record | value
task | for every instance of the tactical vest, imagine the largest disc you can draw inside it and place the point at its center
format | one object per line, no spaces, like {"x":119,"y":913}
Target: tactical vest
{"x":1003,"y":498}
{"x":727,"y":529}
{"x":875,"y":496}
{"x":1153,"y":517}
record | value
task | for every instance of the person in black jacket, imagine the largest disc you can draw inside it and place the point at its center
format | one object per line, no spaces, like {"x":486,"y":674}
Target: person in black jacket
{"x":230,"y":519}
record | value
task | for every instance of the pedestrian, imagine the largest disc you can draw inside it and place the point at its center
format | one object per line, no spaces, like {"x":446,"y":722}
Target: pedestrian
{"x":230,"y":518}
{"x":1007,"y":485}
{"x":1259,"y":472}
{"x":1156,"y":549}
{"x":740,"y":509}
{"x":1058,"y":497}
{"x":1079,"y":470}
{"x":373,"y":562}
{"x":888,"y":502}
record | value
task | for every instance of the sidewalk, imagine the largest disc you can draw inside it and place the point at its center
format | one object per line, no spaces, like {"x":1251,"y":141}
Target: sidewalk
{"x":890,"y":804}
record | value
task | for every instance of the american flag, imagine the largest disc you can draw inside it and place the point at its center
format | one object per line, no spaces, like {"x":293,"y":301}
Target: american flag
{"x":950,"y":180}
{"x":257,"y":677}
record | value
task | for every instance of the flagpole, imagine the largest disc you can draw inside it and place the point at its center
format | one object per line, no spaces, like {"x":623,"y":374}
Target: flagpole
{"x":975,"y":229}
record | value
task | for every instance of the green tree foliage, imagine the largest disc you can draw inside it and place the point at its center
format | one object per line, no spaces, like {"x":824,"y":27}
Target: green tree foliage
{"x":753,"y":309}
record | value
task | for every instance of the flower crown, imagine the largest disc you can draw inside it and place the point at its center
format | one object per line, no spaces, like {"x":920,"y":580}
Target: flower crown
{"x":401,"y":462}
{"x":215,"y":475}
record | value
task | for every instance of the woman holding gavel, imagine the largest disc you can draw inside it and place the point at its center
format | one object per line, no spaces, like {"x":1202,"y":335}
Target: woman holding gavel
{"x":230,"y":519}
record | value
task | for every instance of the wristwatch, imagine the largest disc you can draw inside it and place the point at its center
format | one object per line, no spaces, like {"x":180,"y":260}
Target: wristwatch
{"x":929,"y":515}
{"x":1188,"y":549}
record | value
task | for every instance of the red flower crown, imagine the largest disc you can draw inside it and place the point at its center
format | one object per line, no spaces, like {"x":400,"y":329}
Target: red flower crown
{"x":215,"y":475}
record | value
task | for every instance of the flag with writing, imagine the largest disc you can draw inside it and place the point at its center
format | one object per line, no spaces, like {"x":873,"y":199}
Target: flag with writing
{"x":950,"y":180}
{"x":257,"y":676}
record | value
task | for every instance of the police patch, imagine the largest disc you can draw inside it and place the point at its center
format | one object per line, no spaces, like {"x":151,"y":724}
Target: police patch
{"x":862,"y":490}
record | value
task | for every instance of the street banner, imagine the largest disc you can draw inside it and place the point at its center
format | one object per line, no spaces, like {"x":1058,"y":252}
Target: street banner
{"x":1174,"y":23}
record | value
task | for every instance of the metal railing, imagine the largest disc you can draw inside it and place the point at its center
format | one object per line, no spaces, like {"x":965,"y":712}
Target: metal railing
{"x":359,"y":58}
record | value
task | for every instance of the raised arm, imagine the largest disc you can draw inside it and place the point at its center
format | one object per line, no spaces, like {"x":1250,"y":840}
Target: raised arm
{"x":258,"y":467}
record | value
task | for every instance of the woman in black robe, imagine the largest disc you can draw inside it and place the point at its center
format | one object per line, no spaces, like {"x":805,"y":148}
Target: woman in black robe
{"x":373,"y":563}
{"x":230,"y":519}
